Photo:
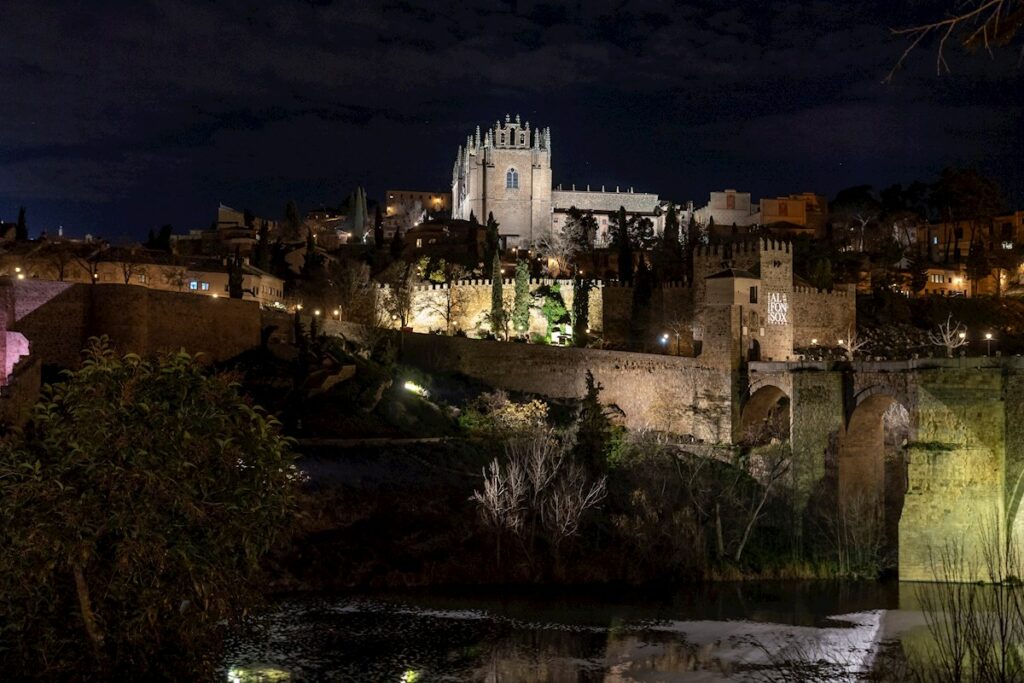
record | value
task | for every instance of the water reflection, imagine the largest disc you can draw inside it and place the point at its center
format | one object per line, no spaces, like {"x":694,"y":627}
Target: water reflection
{"x":712,"y":633}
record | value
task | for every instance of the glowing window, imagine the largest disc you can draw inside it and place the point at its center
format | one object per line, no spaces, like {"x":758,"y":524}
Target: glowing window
{"x":193,"y":285}
{"x":205,"y":286}
{"x":512,"y":179}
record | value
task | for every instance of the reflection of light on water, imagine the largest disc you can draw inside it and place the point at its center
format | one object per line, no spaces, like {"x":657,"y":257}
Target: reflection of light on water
{"x":477,"y":644}
{"x":258,"y":673}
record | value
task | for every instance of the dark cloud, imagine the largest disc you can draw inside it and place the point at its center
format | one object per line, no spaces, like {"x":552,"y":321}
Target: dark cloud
{"x":121,"y":116}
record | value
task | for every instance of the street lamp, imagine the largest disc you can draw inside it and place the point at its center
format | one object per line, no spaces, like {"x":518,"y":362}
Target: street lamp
{"x":988,"y":343}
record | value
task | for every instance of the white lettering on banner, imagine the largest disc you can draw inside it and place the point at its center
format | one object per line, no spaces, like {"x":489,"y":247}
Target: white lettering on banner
{"x":778,"y":308}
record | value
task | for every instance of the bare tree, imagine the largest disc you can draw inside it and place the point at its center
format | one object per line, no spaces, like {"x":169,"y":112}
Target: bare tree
{"x":852,"y":343}
{"x":176,"y":277}
{"x":985,"y":24}
{"x":408,"y":214}
{"x":949,"y":336}
{"x":537,"y":493}
{"x":397,"y":300}
{"x":131,"y":263}
{"x":451,"y":302}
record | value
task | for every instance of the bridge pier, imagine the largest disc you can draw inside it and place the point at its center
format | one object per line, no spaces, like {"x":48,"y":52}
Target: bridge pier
{"x":961,"y":438}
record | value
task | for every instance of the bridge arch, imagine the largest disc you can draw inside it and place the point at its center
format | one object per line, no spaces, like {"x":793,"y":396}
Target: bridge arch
{"x":766,"y":415}
{"x":873,"y":469}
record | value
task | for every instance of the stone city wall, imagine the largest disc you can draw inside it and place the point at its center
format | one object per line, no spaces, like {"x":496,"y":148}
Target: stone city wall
{"x":825,"y":316}
{"x":681,"y":395}
{"x":58,"y":318}
{"x":467,"y":303}
{"x":672,"y":311}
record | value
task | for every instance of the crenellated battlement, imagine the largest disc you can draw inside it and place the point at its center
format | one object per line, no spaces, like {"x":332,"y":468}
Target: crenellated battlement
{"x":681,"y":284}
{"x":744,"y":247}
{"x":843,"y":293}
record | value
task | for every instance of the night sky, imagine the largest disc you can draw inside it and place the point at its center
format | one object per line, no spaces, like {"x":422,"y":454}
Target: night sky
{"x":117,"y":119}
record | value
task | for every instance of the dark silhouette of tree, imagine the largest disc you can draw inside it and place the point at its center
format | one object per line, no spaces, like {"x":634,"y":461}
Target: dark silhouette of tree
{"x":492,"y":239}
{"x":262,"y":255}
{"x":623,"y":245}
{"x":292,"y":221}
{"x":497,"y":315}
{"x":580,"y":310}
{"x":21,"y":230}
{"x":378,"y":229}
{"x":821,"y":276}
{"x":918,"y":273}
{"x":593,"y":427}
{"x":693,"y":240}
{"x":978,"y":265}
{"x":397,"y":243}
{"x":160,"y":241}
{"x":521,"y":303}
{"x":235,"y":276}
{"x":640,"y":315}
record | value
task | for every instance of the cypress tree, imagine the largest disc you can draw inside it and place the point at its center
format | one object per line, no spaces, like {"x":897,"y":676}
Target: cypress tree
{"x":521,"y":305}
{"x":625,"y":246}
{"x":21,"y":231}
{"x":580,"y":310}
{"x":692,"y":241}
{"x":292,"y":220}
{"x":378,"y":229}
{"x":671,"y":234}
{"x":397,"y":243}
{"x":263,"y":248}
{"x":593,"y":428}
{"x":640,"y":317}
{"x":235,"y":275}
{"x":492,"y":242}
{"x":497,"y":300}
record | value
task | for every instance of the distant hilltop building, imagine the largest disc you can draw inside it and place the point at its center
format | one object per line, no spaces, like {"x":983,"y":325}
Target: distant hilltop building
{"x":507,"y":171}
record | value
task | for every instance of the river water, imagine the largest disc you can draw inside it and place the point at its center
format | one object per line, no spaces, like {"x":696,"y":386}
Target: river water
{"x":746,"y":631}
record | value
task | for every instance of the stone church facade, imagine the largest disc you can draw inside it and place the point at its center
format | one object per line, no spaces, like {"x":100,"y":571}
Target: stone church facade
{"x":506,"y":171}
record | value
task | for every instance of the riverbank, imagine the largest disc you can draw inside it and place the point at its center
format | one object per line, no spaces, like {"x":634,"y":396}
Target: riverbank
{"x":400,"y":515}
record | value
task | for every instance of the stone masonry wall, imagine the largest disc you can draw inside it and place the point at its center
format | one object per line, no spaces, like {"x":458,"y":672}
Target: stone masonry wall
{"x":825,"y":316}
{"x":469,"y":301}
{"x":682,"y":395}
{"x":58,"y":318}
{"x":955,"y":470}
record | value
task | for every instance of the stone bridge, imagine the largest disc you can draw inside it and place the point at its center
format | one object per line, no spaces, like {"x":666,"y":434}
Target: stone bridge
{"x":932,"y":450}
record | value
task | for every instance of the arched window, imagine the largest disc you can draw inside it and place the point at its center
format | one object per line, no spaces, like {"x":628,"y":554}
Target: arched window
{"x":512,"y":179}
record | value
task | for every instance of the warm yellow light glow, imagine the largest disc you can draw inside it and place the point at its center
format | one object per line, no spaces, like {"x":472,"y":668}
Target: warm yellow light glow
{"x":17,"y":269}
{"x":298,"y":307}
{"x":216,"y":296}
{"x":963,"y":335}
{"x":316,"y":312}
{"x":814,"y":341}
{"x":415,"y":388}
{"x":988,"y":335}
{"x":21,"y":276}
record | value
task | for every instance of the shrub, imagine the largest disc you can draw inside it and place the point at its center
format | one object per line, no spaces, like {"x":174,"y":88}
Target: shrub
{"x":134,"y":510}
